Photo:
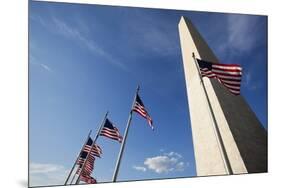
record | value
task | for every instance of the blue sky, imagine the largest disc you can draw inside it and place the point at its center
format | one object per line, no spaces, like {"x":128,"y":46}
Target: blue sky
{"x":87,"y":59}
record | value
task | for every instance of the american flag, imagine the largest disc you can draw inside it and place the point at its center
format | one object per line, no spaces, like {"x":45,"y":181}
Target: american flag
{"x":227,"y":74}
{"x":110,"y":131}
{"x":85,"y":151}
{"x":96,"y":150}
{"x":88,"y":179}
{"x":140,"y":109}
{"x":82,"y":158}
{"x":89,"y":164}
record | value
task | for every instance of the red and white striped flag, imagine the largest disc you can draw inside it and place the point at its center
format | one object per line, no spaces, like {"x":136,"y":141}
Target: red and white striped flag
{"x":87,"y":157}
{"x":227,"y":74}
{"x":88,"y":167}
{"x":110,"y":131}
{"x":140,"y":109}
{"x":96,"y":150}
{"x":88,"y":179}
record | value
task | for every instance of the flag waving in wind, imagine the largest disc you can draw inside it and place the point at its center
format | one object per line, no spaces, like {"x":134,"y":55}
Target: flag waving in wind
{"x":84,"y":158}
{"x":88,"y":166}
{"x":227,"y":74}
{"x":85,"y":151}
{"x":96,"y":150}
{"x":140,"y":109}
{"x":88,"y":179}
{"x":110,"y":131}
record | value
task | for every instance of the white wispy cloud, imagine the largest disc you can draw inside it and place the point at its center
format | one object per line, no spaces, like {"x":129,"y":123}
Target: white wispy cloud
{"x":46,"y":67}
{"x":33,"y":61}
{"x":172,"y":153}
{"x":74,"y":32}
{"x":47,"y":174}
{"x":249,"y":82}
{"x":139,"y":168}
{"x":152,"y":35}
{"x":247,"y":78}
{"x":242,"y":32}
{"x":239,"y":29}
{"x":38,"y":19}
{"x":168,"y":162}
{"x":160,"y":164}
{"x":36,"y":168}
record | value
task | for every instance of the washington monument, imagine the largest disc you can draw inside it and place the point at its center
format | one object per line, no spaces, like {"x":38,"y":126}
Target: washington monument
{"x":227,"y":136}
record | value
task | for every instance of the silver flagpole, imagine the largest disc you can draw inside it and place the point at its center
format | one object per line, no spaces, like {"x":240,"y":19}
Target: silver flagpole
{"x":77,"y":159}
{"x":73,"y":177}
{"x":115,"y":174}
{"x":94,"y":141}
{"x":219,"y":137}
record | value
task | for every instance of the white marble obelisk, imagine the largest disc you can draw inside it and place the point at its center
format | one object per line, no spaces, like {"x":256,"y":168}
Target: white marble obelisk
{"x":243,"y":137}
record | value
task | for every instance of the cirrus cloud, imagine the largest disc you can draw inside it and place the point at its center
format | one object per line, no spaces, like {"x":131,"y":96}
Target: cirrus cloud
{"x":46,"y":174}
{"x":139,"y":168}
{"x":36,"y":168}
